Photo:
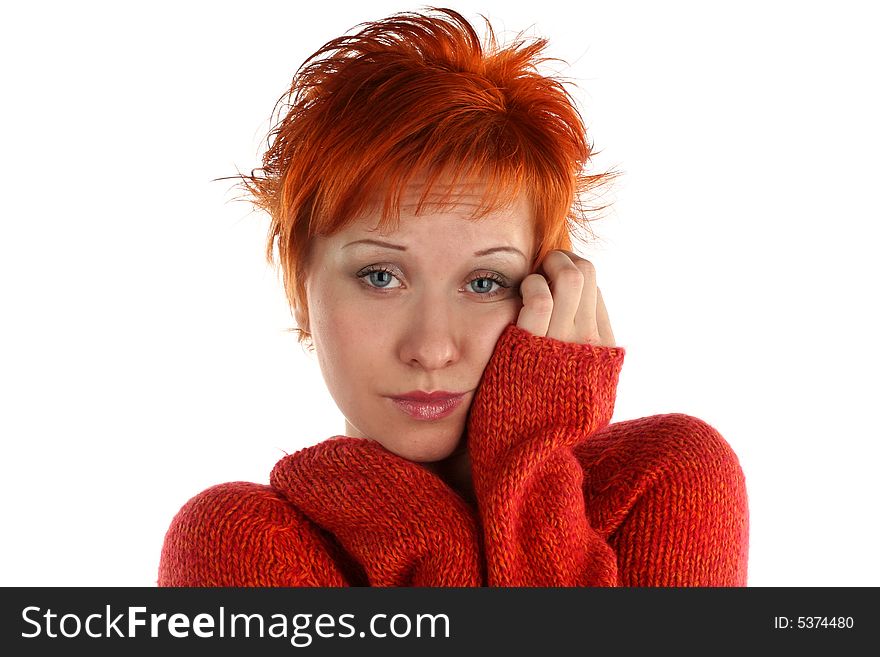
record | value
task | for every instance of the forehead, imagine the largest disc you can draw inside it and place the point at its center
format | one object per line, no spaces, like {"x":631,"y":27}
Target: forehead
{"x":444,"y":203}
{"x":465,"y":196}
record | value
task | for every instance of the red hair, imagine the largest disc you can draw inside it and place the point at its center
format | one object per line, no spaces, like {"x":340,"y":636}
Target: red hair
{"x":418,"y":93}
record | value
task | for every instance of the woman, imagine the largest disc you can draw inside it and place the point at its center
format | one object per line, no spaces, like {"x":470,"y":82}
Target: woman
{"x":423,"y":189}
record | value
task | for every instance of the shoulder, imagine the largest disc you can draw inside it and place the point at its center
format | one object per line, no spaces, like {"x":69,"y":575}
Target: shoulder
{"x":691,"y":438}
{"x":670,"y":446}
{"x":244,"y":534}
{"x":223,"y":506}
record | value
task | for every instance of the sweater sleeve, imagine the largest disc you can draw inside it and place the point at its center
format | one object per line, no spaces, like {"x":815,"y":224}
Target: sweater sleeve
{"x":246,"y":534}
{"x":538,"y":398}
{"x":402,"y":524}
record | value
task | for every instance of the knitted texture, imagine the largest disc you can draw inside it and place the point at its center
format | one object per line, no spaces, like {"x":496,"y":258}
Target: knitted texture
{"x":564,"y":498}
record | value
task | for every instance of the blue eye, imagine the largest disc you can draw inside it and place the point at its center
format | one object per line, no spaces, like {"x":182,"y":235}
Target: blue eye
{"x":377,"y":277}
{"x":483,"y":285}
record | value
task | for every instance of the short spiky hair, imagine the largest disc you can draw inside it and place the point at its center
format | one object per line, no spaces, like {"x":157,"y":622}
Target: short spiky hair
{"x":418,"y":92}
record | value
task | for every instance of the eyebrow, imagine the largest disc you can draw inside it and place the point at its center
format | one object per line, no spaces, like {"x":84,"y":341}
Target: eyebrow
{"x":398,"y":247}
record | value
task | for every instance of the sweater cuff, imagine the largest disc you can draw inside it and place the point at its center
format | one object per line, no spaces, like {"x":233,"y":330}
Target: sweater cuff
{"x":533,"y":382}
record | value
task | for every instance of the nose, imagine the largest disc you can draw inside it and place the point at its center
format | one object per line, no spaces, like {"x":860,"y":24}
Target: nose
{"x":432,"y":336}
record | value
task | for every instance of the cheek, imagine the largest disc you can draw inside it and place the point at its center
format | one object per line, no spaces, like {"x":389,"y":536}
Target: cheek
{"x":348,"y":341}
{"x":488,"y":327}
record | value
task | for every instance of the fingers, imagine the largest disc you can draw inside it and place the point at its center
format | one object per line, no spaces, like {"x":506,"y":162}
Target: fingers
{"x":586,"y":329}
{"x":606,"y":335}
{"x":567,"y":286}
{"x":537,"y":309}
{"x":565,"y":303}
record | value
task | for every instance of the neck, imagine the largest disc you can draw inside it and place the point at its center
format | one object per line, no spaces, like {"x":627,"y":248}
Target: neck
{"x":455,"y":469}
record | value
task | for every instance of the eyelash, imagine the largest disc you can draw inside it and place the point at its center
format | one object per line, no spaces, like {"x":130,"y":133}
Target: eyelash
{"x":364,"y":273}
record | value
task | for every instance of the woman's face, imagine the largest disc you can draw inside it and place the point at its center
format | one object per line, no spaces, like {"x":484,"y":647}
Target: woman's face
{"x":417,"y":310}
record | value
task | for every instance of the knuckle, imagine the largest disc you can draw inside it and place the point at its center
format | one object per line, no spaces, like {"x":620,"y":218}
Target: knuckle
{"x":586,"y":267}
{"x":571,"y":278}
{"x":557,"y":259}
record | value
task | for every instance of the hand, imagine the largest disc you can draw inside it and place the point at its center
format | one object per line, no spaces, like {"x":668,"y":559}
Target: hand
{"x":568,"y":308}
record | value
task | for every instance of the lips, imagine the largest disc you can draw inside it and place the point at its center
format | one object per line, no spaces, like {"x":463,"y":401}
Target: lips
{"x":428,"y":405}
{"x":436,"y":396}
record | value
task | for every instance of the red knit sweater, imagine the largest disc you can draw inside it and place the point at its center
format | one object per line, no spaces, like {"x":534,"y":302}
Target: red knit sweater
{"x":563,"y":497}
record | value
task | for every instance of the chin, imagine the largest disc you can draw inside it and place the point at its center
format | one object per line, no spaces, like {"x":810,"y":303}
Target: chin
{"x":432,"y":450}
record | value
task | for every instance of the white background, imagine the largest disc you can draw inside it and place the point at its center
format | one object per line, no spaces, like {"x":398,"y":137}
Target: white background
{"x":143,"y":353}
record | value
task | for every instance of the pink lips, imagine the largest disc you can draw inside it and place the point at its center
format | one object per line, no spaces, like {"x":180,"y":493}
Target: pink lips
{"x":428,"y":406}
